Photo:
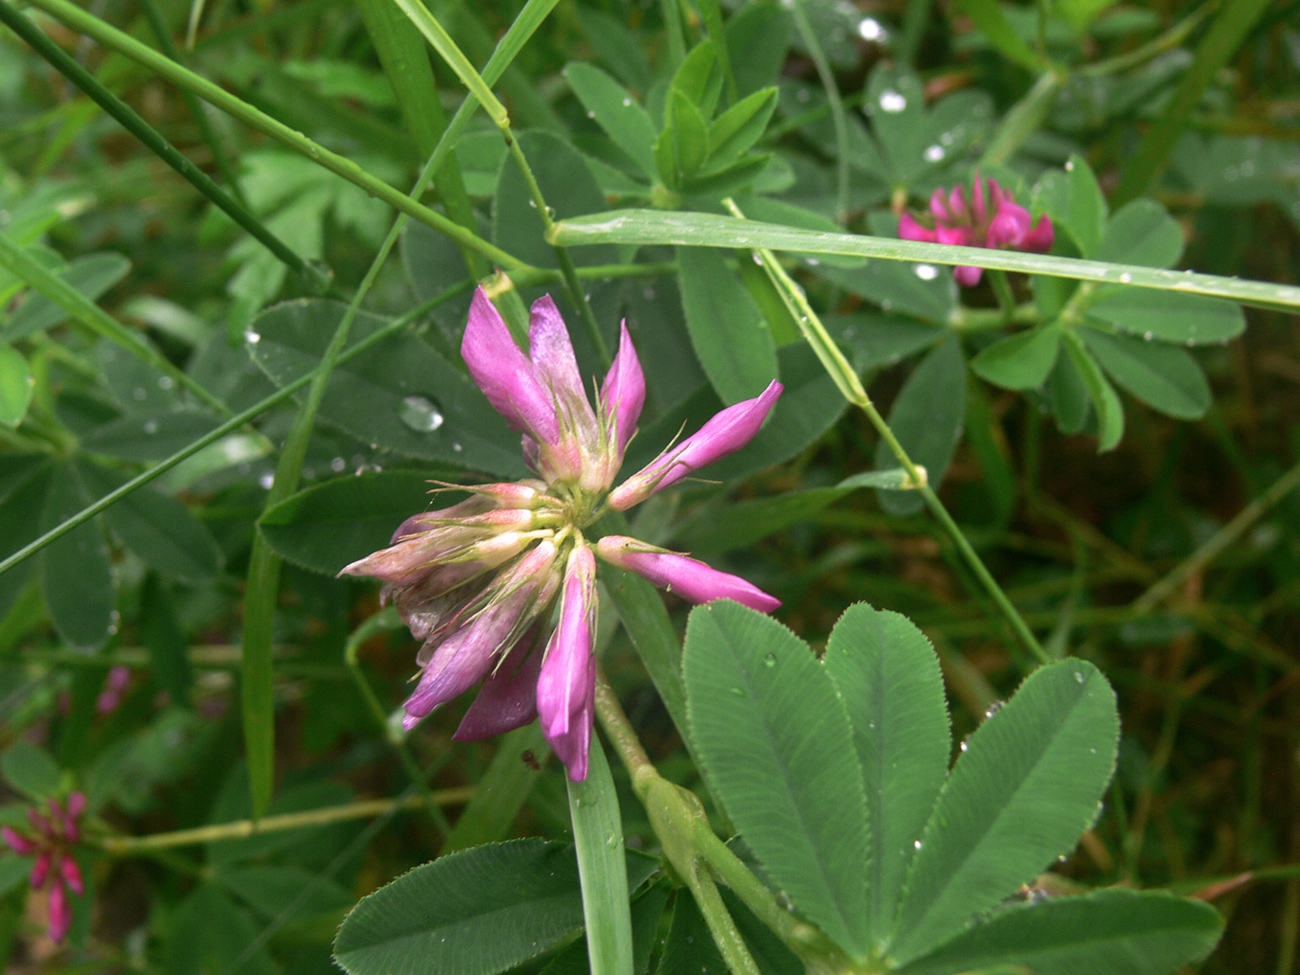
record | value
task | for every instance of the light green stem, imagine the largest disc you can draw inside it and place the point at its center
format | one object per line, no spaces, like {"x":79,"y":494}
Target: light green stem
{"x":244,"y":828}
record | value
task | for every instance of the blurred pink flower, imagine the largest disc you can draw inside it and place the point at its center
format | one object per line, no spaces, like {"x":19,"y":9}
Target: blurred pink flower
{"x":477,"y":581}
{"x":51,"y":840}
{"x":995,"y":221}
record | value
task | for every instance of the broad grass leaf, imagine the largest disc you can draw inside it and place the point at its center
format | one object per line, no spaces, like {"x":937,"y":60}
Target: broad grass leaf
{"x":771,"y":734}
{"x":1163,"y":376}
{"x":1020,"y":361}
{"x":1029,"y":782}
{"x":731,"y":339}
{"x":476,"y":912}
{"x":400,"y":394}
{"x":926,"y":417}
{"x":1115,"y":931}
{"x":1170,"y":316}
{"x":887,"y":675}
{"x":333,"y":524}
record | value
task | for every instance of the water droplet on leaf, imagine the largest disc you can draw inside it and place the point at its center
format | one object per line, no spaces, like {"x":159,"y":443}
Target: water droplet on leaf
{"x":420,"y":413}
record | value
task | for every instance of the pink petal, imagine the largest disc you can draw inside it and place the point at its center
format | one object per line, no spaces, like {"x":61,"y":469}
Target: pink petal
{"x":623,"y":393}
{"x":1009,"y":226}
{"x":16,"y":841}
{"x":566,"y":683}
{"x":1039,"y":238}
{"x":551,"y":351}
{"x":508,"y":699}
{"x":60,"y":913}
{"x":689,"y":578}
{"x":979,"y":209}
{"x":727,"y":432}
{"x":41,"y":869}
{"x":961,"y":236}
{"x":72,"y":875}
{"x":958,"y":211}
{"x":909,"y":229}
{"x":939,"y":206}
{"x":504,"y":373}
{"x":968,"y":277}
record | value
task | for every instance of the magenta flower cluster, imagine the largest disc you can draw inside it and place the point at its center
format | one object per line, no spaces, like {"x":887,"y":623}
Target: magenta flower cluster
{"x":988,"y":218}
{"x":477,"y":582}
{"x":51,"y":843}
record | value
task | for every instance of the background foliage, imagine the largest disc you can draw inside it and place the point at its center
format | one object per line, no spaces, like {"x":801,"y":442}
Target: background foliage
{"x":190,"y":197}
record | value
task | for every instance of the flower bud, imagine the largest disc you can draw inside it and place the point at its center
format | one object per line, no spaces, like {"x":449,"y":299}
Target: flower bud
{"x":566,"y":684}
{"x":689,"y":578}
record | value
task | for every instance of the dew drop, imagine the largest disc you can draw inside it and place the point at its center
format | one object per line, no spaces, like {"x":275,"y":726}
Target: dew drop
{"x":964,"y":746}
{"x":934,"y":153}
{"x":917,"y":844}
{"x":627,"y":103}
{"x":150,"y":426}
{"x":139,"y":393}
{"x":1069,"y":165}
{"x":1078,"y":676}
{"x":337,"y":465}
{"x":251,"y":337}
{"x":457,"y":447}
{"x":420,"y":413}
{"x":738,"y":691}
{"x":1148,"y":336}
{"x":892,"y":101}
{"x":1126,"y":278}
{"x":769,"y":660}
{"x":870,"y":29}
{"x":166,"y":382}
{"x":926,"y":272}
{"x":803,"y":95}
{"x":265,"y":481}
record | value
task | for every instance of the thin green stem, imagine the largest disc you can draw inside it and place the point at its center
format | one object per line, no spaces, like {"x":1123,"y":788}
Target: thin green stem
{"x":1002,"y":289}
{"x":1023,"y":119}
{"x":159,"y":27}
{"x":1170,"y":39}
{"x":243,"y":828}
{"x":441,"y":42}
{"x":577,"y":295}
{"x":77,"y":19}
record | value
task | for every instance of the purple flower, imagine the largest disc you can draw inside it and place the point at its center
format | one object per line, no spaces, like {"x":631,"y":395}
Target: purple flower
{"x":477,"y":581}
{"x":1004,"y":224}
{"x":52,"y":842}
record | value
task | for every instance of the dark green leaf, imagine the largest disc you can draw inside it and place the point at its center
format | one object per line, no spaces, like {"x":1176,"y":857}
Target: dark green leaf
{"x":615,"y":45}
{"x":1164,"y":377}
{"x":1170,"y":316}
{"x":615,"y":111}
{"x":730,"y":338}
{"x":1119,"y":932}
{"x":1020,"y":361}
{"x":75,"y":573}
{"x":736,"y":130}
{"x":699,"y":78}
{"x":689,"y":947}
{"x":690,"y":136}
{"x":400,"y":394}
{"x":1141,"y":232}
{"x":772,"y":734}
{"x":1067,"y":396}
{"x":156,"y":527}
{"x":30,"y":770}
{"x":161,"y":634}
{"x":1029,"y":782}
{"x":330,"y":525}
{"x":887,"y":675}
{"x":91,"y":275}
{"x":476,"y":912}
{"x":209,"y":933}
{"x":993,"y":24}
{"x":153,"y":436}
{"x":926,"y":417}
{"x":758,"y":36}
{"x":1073,"y":199}
{"x":284,"y":893}
{"x":875,"y":341}
{"x":569,"y":188}
{"x":896,"y":104}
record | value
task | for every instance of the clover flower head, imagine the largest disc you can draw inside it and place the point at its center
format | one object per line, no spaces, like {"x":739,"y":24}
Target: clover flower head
{"x":478,"y":581}
{"x":989,"y":217}
{"x":53,"y":835}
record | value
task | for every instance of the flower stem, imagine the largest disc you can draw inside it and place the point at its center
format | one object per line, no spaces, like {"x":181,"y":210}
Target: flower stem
{"x":242,"y":828}
{"x":1002,"y":288}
